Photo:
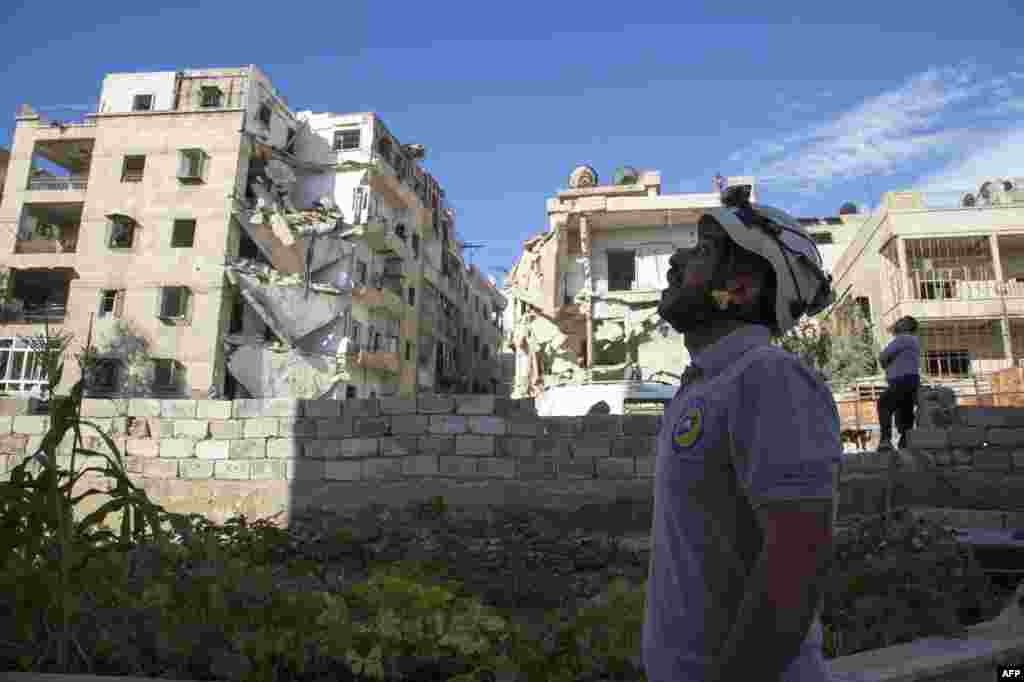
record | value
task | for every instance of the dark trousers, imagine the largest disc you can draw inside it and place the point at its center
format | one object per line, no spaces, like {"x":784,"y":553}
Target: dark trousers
{"x":899,"y":400}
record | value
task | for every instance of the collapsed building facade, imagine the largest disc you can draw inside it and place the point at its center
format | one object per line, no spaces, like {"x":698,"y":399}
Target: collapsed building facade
{"x":584,"y":294}
{"x":286,"y":254}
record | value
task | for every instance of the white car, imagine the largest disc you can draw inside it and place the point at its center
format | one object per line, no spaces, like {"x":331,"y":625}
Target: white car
{"x":622,"y":397}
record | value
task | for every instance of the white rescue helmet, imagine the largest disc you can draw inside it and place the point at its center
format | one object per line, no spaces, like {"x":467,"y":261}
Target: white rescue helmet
{"x":803,"y":287}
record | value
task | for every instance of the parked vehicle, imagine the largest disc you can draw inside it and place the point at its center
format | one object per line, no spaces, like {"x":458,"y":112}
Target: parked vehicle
{"x":621,"y":397}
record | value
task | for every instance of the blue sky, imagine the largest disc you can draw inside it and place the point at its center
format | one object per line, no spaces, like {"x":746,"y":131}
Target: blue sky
{"x":825,"y":104}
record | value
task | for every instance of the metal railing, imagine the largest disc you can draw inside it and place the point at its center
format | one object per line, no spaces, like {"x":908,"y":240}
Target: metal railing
{"x":62,"y":183}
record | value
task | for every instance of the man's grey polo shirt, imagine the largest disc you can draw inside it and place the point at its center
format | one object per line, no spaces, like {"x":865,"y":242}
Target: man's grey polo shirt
{"x":758,"y":426}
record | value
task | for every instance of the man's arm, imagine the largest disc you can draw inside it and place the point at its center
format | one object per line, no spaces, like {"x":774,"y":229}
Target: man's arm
{"x":783,"y":591}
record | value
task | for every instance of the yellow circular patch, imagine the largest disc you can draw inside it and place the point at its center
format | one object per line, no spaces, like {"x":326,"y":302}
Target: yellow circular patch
{"x":689,"y":427}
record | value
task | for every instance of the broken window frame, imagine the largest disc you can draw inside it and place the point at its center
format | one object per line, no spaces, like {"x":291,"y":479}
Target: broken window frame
{"x":343,"y":139}
{"x":178,"y":237}
{"x":412,"y":296}
{"x":362,"y":272}
{"x":193,"y":164}
{"x":408,"y":351}
{"x":357,"y":333}
{"x":183,"y":303}
{"x":132,"y":174}
{"x":149,"y":98}
{"x":105,"y":368}
{"x":416,"y":245}
{"x":111,"y":303}
{"x":120,"y":228}
{"x":210,"y":97}
{"x":169,"y":369}
{"x":615,"y":284}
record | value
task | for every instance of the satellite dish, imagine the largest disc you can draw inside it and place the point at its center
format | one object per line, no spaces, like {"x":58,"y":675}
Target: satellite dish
{"x":583,"y":176}
{"x":985,"y":192}
{"x":968,"y":200}
{"x":1007,"y":186}
{"x":626,"y":175}
{"x":849,"y":208}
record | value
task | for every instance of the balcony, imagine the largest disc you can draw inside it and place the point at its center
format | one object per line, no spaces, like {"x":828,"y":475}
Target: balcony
{"x":60,"y":166}
{"x":29,"y":313}
{"x":58,"y":183}
{"x":380,"y":300}
{"x":385,"y":362}
{"x":49,"y":228}
{"x":941,"y":294}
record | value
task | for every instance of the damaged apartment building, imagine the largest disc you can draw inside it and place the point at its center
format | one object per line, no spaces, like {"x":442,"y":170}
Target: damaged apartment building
{"x":584,"y":294}
{"x":223,"y":245}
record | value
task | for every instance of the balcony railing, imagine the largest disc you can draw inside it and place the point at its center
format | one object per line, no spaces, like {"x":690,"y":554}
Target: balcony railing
{"x":63,"y":183}
{"x":928,"y":286}
{"x":16,"y":312}
{"x":46,"y":246}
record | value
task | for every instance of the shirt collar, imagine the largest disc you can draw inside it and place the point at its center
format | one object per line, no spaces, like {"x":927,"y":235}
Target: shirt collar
{"x":719,"y":355}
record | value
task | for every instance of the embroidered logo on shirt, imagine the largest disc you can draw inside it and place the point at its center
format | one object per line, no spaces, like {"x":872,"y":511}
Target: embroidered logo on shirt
{"x":689,"y":428}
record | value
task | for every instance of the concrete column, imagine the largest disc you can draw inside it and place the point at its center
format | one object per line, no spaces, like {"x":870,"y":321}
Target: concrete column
{"x":588,"y":282}
{"x":901,"y":254}
{"x":1004,"y":322}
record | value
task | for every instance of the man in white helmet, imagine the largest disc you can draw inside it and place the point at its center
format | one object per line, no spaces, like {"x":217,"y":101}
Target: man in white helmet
{"x":744,"y":490}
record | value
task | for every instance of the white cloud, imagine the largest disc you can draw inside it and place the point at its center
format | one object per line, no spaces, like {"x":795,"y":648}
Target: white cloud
{"x":997,"y":155}
{"x":930,"y":117}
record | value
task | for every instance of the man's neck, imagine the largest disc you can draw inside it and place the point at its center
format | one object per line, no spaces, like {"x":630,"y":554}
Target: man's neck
{"x":707,"y":335}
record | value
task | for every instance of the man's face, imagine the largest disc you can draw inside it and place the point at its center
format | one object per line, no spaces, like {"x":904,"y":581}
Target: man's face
{"x":687,"y":304}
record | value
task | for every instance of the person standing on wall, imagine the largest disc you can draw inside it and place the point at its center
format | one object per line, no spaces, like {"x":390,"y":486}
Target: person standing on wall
{"x":744,"y":486}
{"x":902,"y":362}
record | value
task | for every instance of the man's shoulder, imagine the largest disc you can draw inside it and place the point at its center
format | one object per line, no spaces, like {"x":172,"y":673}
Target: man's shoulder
{"x":770,"y":362}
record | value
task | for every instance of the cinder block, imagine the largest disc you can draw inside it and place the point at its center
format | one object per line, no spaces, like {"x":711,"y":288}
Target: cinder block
{"x":143,"y":447}
{"x":143,"y":407}
{"x":602,"y":425}
{"x":343,"y":470}
{"x":577,"y":467}
{"x":398,"y":406}
{"x":99,"y":407}
{"x":435,"y":405}
{"x":437,"y":445}
{"x":213,"y":409}
{"x":177,"y":448}
{"x":213,"y":449}
{"x":360,"y":447}
{"x":961,"y":456}
{"x":1008,"y":437}
{"x":536,"y":468}
{"x":523,"y":426}
{"x":389,"y":468}
{"x":31,"y":425}
{"x":992,"y":459}
{"x":1002,"y":417}
{"x":590,"y":446}
{"x":486,"y":425}
{"x":420,"y":465}
{"x":260,"y":427}
{"x":645,"y":467}
{"x":963,"y":436}
{"x":403,"y":446}
{"x":448,"y":424}
{"x":233,"y":470}
{"x":246,"y":408}
{"x":296,"y":427}
{"x":561,"y":426}
{"x":247,"y":448}
{"x":133,"y":465}
{"x":267,"y":470}
{"x":161,"y":428}
{"x":199,"y":429}
{"x":196,"y":468}
{"x":409,"y":424}
{"x":616,"y":467}
{"x":334,"y":428}
{"x":304,"y":470}
{"x":451,"y":465}
{"x":548,"y":446}
{"x":640,"y":425}
{"x":474,"y":445}
{"x":496,"y":467}
{"x":178,"y":409}
{"x":515,"y":447}
{"x":282,"y":407}
{"x":930,"y":439}
{"x":474,"y":404}
{"x":634,"y":446}
{"x":226,"y":430}
{"x":321,"y":408}
{"x":322,"y":449}
{"x":283,"y":448}
{"x":160,"y":468}
{"x":12,"y":407}
{"x":6,"y":425}
{"x":370,"y":427}
{"x":368,"y":407}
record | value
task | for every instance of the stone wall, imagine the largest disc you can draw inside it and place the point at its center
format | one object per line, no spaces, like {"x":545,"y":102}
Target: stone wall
{"x":261,"y":457}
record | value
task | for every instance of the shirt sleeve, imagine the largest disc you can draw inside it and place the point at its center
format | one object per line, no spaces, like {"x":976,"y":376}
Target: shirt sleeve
{"x":785,"y":433}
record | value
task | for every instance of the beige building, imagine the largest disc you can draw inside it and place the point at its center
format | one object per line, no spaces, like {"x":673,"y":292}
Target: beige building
{"x":226,"y":245}
{"x":5,"y":158}
{"x":958,"y":269}
{"x":584,"y":294}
